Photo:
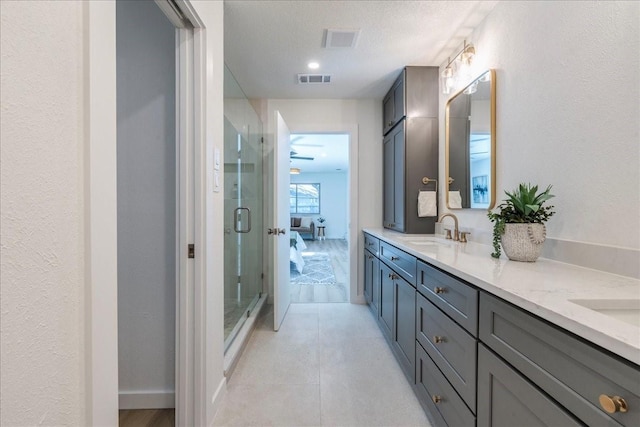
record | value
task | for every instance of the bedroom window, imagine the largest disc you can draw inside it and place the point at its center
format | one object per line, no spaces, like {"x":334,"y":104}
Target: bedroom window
{"x":304,"y":198}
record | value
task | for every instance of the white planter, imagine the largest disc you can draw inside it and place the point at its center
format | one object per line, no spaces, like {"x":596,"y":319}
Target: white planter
{"x":523,"y":242}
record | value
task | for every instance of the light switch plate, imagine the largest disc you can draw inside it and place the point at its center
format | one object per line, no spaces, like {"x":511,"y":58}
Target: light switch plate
{"x":216,"y":158}
{"x":216,"y":181}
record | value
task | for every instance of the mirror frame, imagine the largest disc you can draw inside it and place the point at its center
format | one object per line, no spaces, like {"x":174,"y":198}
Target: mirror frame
{"x":492,"y":200}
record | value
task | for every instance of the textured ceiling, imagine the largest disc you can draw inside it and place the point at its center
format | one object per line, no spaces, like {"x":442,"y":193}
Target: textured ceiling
{"x":267,"y":43}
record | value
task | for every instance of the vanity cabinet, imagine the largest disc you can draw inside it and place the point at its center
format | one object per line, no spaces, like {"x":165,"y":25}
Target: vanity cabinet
{"x":410,"y":117}
{"x":475,"y":359}
{"x":572,"y":372}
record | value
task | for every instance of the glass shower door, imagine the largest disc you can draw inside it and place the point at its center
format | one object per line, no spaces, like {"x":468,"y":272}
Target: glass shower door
{"x":243,"y":219}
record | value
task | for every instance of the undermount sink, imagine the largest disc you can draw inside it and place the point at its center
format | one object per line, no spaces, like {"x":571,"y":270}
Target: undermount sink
{"x":625,"y":310}
{"x":429,"y":241}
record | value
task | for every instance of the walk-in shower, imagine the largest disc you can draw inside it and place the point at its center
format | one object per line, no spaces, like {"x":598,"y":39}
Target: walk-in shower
{"x":243,"y":208}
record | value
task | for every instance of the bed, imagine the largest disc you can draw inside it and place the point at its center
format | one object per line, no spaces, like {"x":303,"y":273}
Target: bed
{"x":297,"y":245}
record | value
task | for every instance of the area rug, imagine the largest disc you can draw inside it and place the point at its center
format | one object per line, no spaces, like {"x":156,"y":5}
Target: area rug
{"x":317,"y":270}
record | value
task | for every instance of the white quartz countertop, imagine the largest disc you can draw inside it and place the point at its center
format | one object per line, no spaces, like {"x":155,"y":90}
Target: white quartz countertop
{"x":545,"y":288}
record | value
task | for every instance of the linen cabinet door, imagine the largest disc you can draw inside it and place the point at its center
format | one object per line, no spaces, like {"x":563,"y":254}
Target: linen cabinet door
{"x":507,"y":399}
{"x":388,"y":183}
{"x":398,"y":176}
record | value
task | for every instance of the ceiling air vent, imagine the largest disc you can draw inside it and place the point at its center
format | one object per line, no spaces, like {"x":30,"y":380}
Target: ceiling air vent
{"x":314,"y":78}
{"x":341,"y":39}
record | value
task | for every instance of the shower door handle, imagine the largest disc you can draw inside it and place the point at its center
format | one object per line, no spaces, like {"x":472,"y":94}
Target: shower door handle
{"x":237,"y":220}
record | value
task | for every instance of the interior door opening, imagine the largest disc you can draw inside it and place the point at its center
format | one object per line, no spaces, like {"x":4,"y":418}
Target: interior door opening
{"x":319,"y":209}
{"x":156,"y":203}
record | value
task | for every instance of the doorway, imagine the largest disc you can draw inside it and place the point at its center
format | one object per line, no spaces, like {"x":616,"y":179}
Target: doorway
{"x":319,"y":208}
{"x":155,"y":208}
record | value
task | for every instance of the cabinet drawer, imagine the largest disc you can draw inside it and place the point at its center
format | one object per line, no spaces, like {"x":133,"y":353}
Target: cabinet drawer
{"x":437,"y":395}
{"x":450,"y":347}
{"x":403,"y":263}
{"x":457,"y":299}
{"x":571,"y":371}
{"x":372,"y":244}
{"x":506,"y":399}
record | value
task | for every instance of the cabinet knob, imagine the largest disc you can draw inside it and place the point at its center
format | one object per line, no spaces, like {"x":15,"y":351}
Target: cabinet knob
{"x":439,"y":290}
{"x":395,"y":258}
{"x":392,"y":276}
{"x":370,"y":243}
{"x":436,"y":399}
{"x":613,"y":404}
{"x":370,"y":256}
{"x":437,"y":339}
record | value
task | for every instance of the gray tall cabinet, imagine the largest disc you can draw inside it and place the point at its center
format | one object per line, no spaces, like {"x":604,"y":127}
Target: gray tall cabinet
{"x":410,"y":129}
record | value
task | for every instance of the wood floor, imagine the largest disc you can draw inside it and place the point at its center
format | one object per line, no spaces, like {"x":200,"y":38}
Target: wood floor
{"x":147,"y":418}
{"x":338,"y":251}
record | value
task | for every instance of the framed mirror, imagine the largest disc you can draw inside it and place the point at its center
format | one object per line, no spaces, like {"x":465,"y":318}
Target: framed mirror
{"x":470,"y":145}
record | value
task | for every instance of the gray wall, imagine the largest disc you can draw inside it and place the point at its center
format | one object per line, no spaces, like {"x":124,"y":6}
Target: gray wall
{"x":146,"y":204}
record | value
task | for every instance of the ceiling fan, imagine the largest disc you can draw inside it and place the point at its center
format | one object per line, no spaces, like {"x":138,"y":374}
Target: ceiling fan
{"x":293,"y":154}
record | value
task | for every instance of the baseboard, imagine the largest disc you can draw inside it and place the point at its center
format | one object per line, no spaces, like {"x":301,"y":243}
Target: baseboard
{"x":147,"y":400}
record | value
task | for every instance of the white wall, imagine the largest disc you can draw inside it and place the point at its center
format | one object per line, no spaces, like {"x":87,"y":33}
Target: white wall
{"x":147,"y":281}
{"x":45,"y":56}
{"x":42,"y":207}
{"x":567,"y":115}
{"x":333,"y":201}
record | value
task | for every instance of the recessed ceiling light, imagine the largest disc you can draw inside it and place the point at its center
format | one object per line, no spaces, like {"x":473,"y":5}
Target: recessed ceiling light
{"x":313,"y":65}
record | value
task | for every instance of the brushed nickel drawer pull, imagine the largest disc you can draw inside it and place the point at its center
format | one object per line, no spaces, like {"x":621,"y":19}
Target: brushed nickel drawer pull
{"x":436,"y":399}
{"x":437,"y":339}
{"x":393,"y":276}
{"x":395,"y":258}
{"x":439,"y":290}
{"x":613,"y":404}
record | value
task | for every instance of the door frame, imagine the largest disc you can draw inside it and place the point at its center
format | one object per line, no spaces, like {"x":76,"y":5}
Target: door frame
{"x":100,"y":227}
{"x":356,"y":295}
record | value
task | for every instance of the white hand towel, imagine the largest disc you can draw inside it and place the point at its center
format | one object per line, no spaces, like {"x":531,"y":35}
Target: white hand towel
{"x":427,"y":204}
{"x":455,"y":200}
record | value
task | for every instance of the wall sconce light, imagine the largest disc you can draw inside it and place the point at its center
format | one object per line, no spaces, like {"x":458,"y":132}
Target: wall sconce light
{"x":454,"y":74}
{"x":294,"y":171}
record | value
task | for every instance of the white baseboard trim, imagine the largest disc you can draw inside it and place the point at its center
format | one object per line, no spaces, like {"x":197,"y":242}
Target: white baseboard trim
{"x":147,"y":400}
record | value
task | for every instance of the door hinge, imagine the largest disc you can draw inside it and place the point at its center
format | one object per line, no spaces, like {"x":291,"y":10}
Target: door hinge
{"x":191,"y":250}
{"x":262,"y":139}
{"x":262,"y":275}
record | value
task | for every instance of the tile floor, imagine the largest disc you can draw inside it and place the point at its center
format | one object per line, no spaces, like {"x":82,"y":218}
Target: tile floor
{"x":329,"y":365}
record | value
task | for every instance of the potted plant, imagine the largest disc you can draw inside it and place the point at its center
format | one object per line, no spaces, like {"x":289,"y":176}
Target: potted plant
{"x":321,"y":220}
{"x":519,"y":224}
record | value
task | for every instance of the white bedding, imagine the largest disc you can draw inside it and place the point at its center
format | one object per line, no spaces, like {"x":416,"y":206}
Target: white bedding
{"x":295,"y":252}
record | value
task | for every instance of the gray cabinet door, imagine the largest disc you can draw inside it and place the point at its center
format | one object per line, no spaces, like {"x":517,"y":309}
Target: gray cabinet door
{"x":404,"y":331}
{"x":386,"y":301}
{"x":387,"y":112}
{"x":398,"y":99}
{"x":371,"y":281}
{"x":398,"y":176}
{"x":367,"y":276}
{"x":393,"y":179}
{"x":388,"y":183}
{"x":505,"y":398}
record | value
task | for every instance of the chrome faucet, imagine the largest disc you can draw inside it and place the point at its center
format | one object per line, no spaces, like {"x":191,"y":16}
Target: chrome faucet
{"x":456,"y":234}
